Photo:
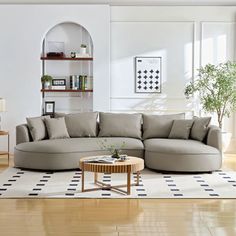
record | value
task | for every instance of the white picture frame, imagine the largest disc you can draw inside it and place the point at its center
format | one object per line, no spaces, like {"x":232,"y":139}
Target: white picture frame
{"x":148,"y":74}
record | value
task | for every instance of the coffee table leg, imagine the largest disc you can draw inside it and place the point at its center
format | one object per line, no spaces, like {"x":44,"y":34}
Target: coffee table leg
{"x":95,"y":177}
{"x":128,"y":182}
{"x":82,"y":182}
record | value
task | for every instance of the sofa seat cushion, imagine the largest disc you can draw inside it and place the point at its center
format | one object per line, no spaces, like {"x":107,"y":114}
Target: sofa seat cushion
{"x":181,"y":155}
{"x":77,"y":145}
{"x":62,"y":154}
{"x":175,"y":146}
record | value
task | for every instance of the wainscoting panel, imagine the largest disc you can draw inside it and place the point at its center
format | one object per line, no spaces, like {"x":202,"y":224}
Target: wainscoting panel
{"x":173,"y":42}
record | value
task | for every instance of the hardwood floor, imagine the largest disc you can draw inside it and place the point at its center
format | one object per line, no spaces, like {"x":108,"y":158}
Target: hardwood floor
{"x":89,"y":217}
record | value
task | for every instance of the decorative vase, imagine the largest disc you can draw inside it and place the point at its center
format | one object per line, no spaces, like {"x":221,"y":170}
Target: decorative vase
{"x":46,"y":85}
{"x":82,"y":50}
{"x":226,"y":138}
{"x":116,"y":154}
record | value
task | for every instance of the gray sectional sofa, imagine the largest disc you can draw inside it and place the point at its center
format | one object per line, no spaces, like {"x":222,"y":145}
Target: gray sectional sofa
{"x":167,"y":142}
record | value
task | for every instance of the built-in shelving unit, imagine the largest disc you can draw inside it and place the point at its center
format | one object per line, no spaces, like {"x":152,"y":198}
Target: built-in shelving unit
{"x":71,"y":99}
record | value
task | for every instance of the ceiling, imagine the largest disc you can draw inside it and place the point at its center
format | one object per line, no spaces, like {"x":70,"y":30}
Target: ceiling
{"x":130,"y":2}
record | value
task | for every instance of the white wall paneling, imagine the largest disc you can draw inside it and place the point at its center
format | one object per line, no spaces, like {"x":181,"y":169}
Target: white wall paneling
{"x":173,"y":41}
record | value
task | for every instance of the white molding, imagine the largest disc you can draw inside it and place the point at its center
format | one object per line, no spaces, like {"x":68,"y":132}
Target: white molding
{"x":171,"y":3}
{"x":151,"y":98}
{"x":202,"y":23}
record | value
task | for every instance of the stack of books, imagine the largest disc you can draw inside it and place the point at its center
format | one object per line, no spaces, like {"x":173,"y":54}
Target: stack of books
{"x":78,"y":82}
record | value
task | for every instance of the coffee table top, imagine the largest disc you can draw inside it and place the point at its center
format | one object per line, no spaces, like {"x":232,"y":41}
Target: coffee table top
{"x":133,"y":164}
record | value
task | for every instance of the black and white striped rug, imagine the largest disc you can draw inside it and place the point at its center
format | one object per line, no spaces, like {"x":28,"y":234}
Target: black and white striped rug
{"x":17,"y":183}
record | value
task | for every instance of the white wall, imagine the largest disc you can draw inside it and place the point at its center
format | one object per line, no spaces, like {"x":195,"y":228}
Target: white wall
{"x":185,"y":38}
{"x":23,"y":28}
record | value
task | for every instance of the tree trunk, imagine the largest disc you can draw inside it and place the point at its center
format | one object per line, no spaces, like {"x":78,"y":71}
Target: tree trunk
{"x":220,"y":120}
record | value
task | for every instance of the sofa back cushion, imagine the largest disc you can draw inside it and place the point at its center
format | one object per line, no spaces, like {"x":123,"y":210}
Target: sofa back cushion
{"x":181,"y":129}
{"x":159,"y":126}
{"x":37,"y":127}
{"x":200,"y":128}
{"x":56,"y":128}
{"x":120,"y":125}
{"x":82,"y":124}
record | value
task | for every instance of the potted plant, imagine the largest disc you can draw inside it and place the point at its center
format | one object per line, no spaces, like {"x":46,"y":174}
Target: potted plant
{"x":83,"y":48}
{"x":216,"y":87}
{"x":46,"y":81}
{"x":114,"y":150}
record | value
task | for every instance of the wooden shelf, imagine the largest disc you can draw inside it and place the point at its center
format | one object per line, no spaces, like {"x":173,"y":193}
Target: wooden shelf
{"x":65,"y":91}
{"x":67,"y":58}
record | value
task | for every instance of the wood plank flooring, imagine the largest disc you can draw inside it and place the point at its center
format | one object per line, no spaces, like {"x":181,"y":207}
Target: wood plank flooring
{"x":119,"y":217}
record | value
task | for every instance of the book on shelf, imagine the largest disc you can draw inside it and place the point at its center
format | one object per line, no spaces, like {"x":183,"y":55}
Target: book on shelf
{"x":103,"y":159}
{"x":61,"y":87}
{"x":79,"y":82}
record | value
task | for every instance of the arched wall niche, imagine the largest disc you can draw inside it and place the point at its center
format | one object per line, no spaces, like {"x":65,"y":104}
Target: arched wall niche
{"x":68,"y":37}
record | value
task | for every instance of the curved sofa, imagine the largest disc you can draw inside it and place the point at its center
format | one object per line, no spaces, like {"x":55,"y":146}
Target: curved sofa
{"x":164,"y":154}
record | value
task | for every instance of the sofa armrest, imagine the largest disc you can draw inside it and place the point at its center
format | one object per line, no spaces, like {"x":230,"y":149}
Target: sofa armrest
{"x":214,"y":137}
{"x":22,"y":134}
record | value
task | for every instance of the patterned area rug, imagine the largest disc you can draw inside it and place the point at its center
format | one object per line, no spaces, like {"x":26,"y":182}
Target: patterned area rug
{"x":17,"y":183}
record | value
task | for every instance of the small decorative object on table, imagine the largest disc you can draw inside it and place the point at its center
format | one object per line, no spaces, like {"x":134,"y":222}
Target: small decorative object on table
{"x":113,"y":149}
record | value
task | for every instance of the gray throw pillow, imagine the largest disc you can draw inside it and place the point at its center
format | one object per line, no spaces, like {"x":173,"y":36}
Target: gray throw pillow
{"x":181,"y":129}
{"x":56,"y":128}
{"x":82,"y":124}
{"x":37,"y":127}
{"x":159,"y":126}
{"x":200,"y":128}
{"x":120,"y":125}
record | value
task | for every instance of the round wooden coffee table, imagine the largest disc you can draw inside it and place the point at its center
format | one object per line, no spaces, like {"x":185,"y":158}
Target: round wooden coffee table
{"x":131,"y":165}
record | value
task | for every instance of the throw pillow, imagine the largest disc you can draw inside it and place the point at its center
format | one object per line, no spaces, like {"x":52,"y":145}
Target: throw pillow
{"x":56,"y":128}
{"x":200,"y":128}
{"x":181,"y":129}
{"x":82,"y":124}
{"x":120,"y":125}
{"x":37,"y":127}
{"x":159,"y":126}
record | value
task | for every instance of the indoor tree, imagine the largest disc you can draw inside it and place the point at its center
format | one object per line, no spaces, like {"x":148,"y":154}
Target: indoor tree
{"x":216,"y":87}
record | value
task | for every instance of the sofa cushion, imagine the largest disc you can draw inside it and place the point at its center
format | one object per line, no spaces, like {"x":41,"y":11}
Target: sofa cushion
{"x":120,"y":125}
{"x":200,"y":128}
{"x":56,"y":128}
{"x":159,"y":126}
{"x":177,"y":146}
{"x":82,"y":124}
{"x":37,"y":127}
{"x":181,"y":129}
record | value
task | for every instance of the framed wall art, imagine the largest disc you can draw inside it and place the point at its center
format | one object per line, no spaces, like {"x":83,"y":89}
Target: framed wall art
{"x":49,"y":108}
{"x":147,"y":74}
